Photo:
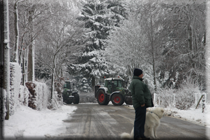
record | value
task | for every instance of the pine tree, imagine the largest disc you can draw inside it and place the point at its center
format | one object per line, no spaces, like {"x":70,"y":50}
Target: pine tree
{"x":100,"y":17}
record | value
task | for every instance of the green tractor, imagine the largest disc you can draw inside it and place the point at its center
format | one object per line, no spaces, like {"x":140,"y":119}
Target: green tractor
{"x":113,"y":90}
{"x":70,"y":95}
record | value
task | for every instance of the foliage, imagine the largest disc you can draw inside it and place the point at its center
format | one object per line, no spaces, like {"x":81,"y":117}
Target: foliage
{"x":182,"y":98}
{"x":165,"y":39}
{"x":183,"y":39}
{"x":99,"y":17}
{"x":129,"y":46}
{"x":61,"y":40}
{"x":185,"y":96}
{"x":83,"y":86}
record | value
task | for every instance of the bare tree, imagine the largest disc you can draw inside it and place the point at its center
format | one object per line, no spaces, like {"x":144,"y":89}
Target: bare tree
{"x":136,"y":39}
{"x":16,"y":25}
{"x":59,"y":40}
{"x":29,"y":18}
{"x":184,"y":39}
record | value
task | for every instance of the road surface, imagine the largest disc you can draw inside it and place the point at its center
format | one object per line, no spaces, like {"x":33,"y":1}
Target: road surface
{"x":92,"y":121}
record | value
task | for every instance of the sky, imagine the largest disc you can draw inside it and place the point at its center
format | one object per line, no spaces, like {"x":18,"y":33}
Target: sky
{"x":26,"y":122}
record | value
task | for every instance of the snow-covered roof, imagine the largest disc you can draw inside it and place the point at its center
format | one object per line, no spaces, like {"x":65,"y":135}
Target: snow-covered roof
{"x":114,"y":79}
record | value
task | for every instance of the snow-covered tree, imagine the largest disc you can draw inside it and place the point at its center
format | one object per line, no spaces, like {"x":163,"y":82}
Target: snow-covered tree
{"x":131,"y":45}
{"x":83,"y":85}
{"x":100,"y":17}
{"x":183,"y":38}
{"x":26,"y":22}
{"x":16,"y":15}
{"x":158,"y":39}
{"x":58,"y":42}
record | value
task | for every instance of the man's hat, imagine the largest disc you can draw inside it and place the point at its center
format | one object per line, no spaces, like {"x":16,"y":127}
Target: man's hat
{"x":137,"y":72}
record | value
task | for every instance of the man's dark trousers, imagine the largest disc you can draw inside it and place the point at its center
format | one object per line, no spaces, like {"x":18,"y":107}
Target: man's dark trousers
{"x":140,"y":116}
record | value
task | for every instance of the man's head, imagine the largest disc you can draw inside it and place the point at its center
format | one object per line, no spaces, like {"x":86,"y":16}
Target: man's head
{"x":138,"y":72}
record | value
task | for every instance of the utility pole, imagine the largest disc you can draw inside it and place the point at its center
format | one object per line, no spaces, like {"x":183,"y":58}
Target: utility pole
{"x":1,"y":65}
{"x":6,"y":45}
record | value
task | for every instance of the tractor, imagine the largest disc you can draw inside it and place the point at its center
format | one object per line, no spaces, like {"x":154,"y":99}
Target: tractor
{"x":70,"y":95}
{"x":114,"y":90}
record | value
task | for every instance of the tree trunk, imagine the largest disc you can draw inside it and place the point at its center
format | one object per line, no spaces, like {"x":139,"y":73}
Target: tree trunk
{"x":53,"y":77}
{"x":6,"y":56}
{"x":190,"y":37}
{"x":204,"y":39}
{"x":16,"y":32}
{"x":190,"y":45}
{"x":23,"y":68}
{"x":93,"y":83}
{"x":153,"y":52}
{"x":52,"y":85}
{"x":30,"y":49}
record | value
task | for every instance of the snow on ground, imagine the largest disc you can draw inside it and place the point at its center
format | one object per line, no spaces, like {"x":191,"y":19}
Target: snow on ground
{"x":27,"y":122}
{"x":208,"y":121}
{"x":192,"y":115}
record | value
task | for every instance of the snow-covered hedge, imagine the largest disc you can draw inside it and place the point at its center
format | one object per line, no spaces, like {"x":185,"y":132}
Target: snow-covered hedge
{"x":39,"y":95}
{"x":43,"y":95}
{"x":23,"y":95}
{"x":183,"y":98}
{"x":165,"y":98}
{"x":15,"y":80}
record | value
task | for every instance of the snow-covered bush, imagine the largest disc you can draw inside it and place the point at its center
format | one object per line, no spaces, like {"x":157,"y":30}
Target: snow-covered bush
{"x":32,"y":96}
{"x":166,"y":98}
{"x":15,"y":80}
{"x":23,"y":95}
{"x":59,"y":83}
{"x":185,"y":96}
{"x":43,"y":95}
{"x":56,"y":102}
{"x":39,"y":95}
{"x":182,"y":98}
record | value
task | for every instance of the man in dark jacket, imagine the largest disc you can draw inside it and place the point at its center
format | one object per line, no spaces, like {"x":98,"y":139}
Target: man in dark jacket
{"x":141,"y":98}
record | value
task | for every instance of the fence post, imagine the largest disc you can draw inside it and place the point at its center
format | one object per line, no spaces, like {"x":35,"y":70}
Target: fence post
{"x":203,"y":102}
{"x":155,"y":99}
{"x":174,"y":102}
{"x":196,"y":98}
{"x":158,"y":100}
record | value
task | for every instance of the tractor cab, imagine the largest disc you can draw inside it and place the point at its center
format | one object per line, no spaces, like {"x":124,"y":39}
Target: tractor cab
{"x":70,"y":95}
{"x":114,"y":84}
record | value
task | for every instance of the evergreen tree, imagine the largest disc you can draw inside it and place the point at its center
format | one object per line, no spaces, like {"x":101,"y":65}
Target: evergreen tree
{"x":100,"y":17}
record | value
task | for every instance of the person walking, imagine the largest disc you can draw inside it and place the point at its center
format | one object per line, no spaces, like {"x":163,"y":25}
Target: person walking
{"x":141,"y":98}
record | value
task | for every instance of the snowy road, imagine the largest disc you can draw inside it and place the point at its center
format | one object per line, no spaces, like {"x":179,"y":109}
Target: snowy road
{"x":96,"y":121}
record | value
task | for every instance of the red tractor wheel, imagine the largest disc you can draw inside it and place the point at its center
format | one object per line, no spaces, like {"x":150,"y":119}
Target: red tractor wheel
{"x":117,"y":99}
{"x":102,"y":98}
